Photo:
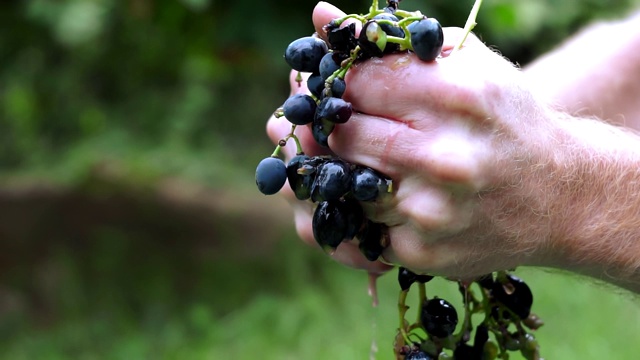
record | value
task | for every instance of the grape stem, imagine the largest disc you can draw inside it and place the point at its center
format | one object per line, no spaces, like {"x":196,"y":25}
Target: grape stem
{"x":471,"y":23}
{"x":291,"y":135}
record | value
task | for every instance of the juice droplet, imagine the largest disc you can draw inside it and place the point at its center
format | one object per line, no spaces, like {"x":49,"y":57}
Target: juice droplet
{"x":373,"y":288}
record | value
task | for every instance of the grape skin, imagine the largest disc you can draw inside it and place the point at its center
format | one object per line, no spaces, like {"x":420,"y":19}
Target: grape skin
{"x":426,"y":38}
{"x":271,"y":174}
{"x":304,"y":54}
{"x":299,"y":109}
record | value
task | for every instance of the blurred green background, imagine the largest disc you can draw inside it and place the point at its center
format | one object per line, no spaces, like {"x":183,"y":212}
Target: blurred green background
{"x":130,"y":226}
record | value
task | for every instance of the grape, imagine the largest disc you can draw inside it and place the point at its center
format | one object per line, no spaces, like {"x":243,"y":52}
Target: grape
{"x":334,"y":109}
{"x":315,"y":84}
{"x":372,"y":39}
{"x":514,"y":294}
{"x":466,"y":352}
{"x":418,"y":355}
{"x":423,"y":278}
{"x":366,"y":184}
{"x":342,"y":40}
{"x":405,"y":278}
{"x":271,"y":175}
{"x":300,"y":183}
{"x":355,"y":217}
{"x":439,"y":317}
{"x":390,"y":30}
{"x":371,"y":240}
{"x":338,"y":87}
{"x":304,"y":54}
{"x":321,"y":129}
{"x":426,"y":38}
{"x":332,"y":182}
{"x":331,"y":223}
{"x":299,"y":109}
{"x":329,"y":65}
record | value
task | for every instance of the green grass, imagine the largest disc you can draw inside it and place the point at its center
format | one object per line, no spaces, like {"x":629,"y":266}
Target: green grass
{"x":293,"y":303}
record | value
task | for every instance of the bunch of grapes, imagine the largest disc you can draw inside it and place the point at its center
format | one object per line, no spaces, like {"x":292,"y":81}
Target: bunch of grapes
{"x":505,"y":308}
{"x":339,"y":188}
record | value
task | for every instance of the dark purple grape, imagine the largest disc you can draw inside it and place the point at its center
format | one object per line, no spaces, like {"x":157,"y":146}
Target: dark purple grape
{"x":367,"y":184}
{"x":373,"y":39}
{"x":486,"y":281}
{"x":338,"y":87}
{"x":423,"y":278}
{"x":321,"y":129}
{"x":299,"y":109}
{"x":271,"y":174}
{"x":481,"y":337}
{"x":355,"y":217}
{"x":418,"y":355}
{"x":371,"y":240}
{"x":300,"y":183}
{"x":466,"y":352}
{"x":332,"y":181}
{"x":426,"y":38}
{"x":334,"y":110}
{"x":342,"y":40}
{"x":329,"y":64}
{"x":439,"y":318}
{"x":304,"y":54}
{"x":514,"y":294}
{"x":390,"y":30}
{"x":315,"y":84}
{"x":406,"y":278}
{"x":331,"y":223}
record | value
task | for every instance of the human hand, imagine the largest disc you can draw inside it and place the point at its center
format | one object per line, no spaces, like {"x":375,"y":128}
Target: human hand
{"x":453,"y":135}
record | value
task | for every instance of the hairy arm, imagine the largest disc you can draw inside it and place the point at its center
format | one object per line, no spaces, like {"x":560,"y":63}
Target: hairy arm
{"x":595,"y":73}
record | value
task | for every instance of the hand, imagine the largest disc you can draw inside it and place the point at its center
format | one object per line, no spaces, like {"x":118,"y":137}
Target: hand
{"x":486,"y":176}
{"x":438,"y":130}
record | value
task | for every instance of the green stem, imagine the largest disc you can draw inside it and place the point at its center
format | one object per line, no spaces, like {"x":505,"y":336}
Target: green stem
{"x":402,"y":310}
{"x":471,"y":23}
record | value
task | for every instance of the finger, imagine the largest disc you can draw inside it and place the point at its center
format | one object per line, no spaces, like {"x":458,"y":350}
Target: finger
{"x":349,"y":254}
{"x":324,"y":12}
{"x":373,"y":141}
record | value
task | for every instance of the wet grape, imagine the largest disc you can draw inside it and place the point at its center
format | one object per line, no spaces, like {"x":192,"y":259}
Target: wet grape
{"x":342,"y":40}
{"x":371,"y":240}
{"x":406,"y":278}
{"x":331,"y":223}
{"x":299,"y":183}
{"x":426,"y":38}
{"x":367,"y":184}
{"x":271,"y":174}
{"x":332,"y":181}
{"x":439,"y":317}
{"x":514,"y":294}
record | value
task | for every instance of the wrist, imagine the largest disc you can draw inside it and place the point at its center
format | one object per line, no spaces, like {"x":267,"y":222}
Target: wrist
{"x":593,"y":207}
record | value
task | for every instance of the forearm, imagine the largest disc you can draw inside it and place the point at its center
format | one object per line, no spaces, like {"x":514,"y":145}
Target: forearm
{"x":596,"y":73}
{"x":593,"y":188}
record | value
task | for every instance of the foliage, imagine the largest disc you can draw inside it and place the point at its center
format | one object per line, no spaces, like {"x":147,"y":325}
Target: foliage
{"x":183,"y":89}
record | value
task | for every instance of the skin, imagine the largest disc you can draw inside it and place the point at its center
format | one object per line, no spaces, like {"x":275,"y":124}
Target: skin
{"x":491,"y":167}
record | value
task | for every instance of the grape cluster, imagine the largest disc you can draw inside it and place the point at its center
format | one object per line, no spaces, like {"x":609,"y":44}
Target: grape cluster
{"x":505,"y":308}
{"x":339,"y":188}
